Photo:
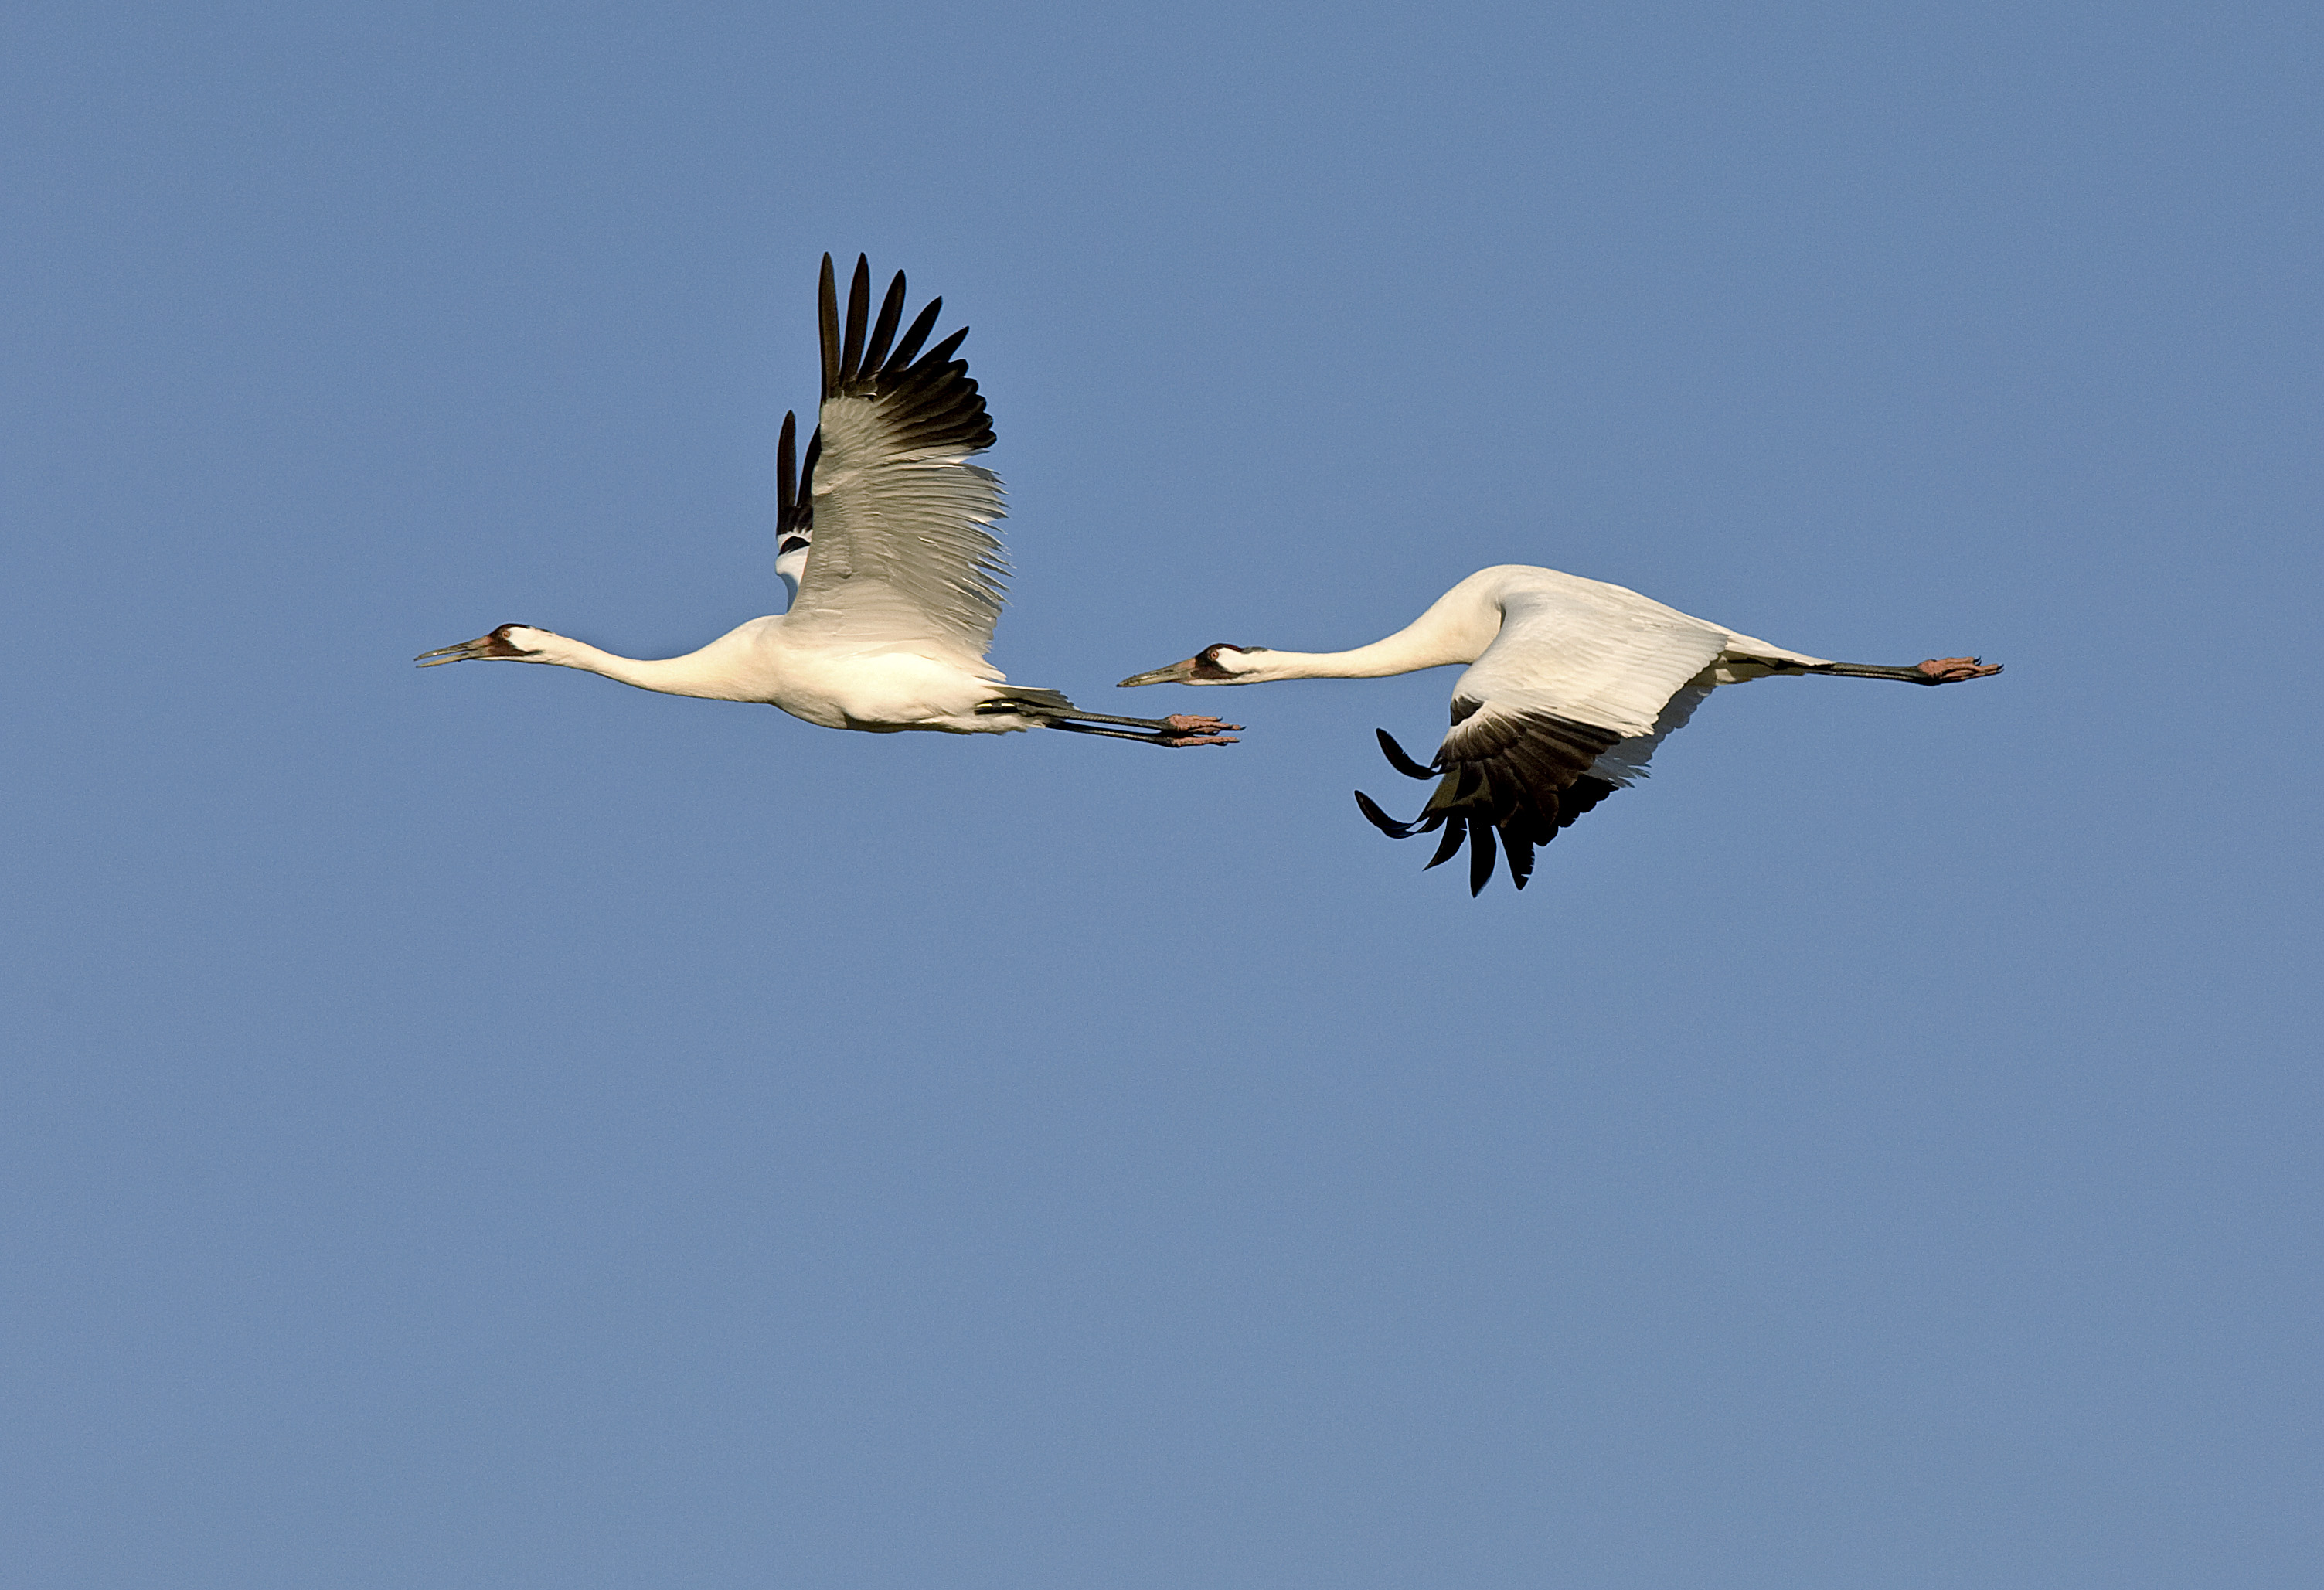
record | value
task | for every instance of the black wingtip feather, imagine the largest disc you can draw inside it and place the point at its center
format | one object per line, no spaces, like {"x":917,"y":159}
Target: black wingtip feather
{"x":786,"y":472}
{"x":891,"y":310}
{"x":1455,"y":831}
{"x":1524,"y":776}
{"x":1398,"y":759}
{"x":827,"y":306}
{"x":859,"y":311}
{"x":1520,"y":852}
{"x":1380,"y":819}
{"x":943,"y":352}
{"x":908,"y":350}
{"x":927,"y":400}
{"x":1480,"y":857}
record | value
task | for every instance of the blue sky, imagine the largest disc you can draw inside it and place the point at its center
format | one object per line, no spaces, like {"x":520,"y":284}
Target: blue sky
{"x":491,"y":1127}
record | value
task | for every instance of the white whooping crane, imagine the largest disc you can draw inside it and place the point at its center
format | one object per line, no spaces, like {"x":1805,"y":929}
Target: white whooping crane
{"x":895,"y":578}
{"x":1572,"y":683}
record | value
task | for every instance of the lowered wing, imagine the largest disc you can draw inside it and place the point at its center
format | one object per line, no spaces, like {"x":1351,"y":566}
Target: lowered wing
{"x":1579,"y":671}
{"x":902,"y":551}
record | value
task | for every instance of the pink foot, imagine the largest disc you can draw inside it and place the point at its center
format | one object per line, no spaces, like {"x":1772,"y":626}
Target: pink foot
{"x":1949,"y":671}
{"x":1196,"y":730}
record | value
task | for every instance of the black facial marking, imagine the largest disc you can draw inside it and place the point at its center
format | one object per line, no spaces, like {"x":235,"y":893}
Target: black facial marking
{"x":1206,"y":661}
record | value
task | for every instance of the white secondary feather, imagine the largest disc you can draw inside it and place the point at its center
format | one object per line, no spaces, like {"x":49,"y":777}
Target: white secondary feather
{"x":902,"y":552}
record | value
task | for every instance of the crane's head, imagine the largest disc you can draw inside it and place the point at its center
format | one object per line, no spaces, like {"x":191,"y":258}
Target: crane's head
{"x":512,"y":643}
{"x":1212,"y":665}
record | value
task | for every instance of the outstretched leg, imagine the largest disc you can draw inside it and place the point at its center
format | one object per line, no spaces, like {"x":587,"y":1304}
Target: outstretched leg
{"x":1053,"y":711}
{"x":1179,"y":729}
{"x":1936,"y":671}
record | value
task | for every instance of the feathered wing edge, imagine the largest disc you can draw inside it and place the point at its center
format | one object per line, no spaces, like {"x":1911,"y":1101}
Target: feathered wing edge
{"x":944,"y":409}
{"x":928,"y":398}
{"x":904,"y":529}
{"x":1525,"y":775}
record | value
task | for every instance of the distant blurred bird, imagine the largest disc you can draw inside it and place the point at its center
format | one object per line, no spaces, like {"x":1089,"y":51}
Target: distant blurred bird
{"x":1572,"y":685}
{"x":883,"y":542}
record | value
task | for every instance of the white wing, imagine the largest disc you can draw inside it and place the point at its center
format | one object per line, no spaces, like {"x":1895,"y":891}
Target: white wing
{"x":1564,"y":707}
{"x":1589,"y":652}
{"x":902,"y":552}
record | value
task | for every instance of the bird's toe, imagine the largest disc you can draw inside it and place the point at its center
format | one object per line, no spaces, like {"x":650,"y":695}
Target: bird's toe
{"x":1947,"y":670}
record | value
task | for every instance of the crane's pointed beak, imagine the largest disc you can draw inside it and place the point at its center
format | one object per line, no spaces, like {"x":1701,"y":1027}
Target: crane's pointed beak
{"x":1177,"y":673}
{"x":495,"y":646}
{"x":465,"y":652}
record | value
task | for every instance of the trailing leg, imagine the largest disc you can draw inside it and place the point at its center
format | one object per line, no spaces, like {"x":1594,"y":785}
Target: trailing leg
{"x":1053,"y":711}
{"x":1936,"y":671}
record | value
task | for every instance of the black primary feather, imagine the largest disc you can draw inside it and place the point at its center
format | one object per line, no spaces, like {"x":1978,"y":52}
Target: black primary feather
{"x":786,"y":473}
{"x":891,"y":310}
{"x":1380,"y":819}
{"x":944,"y":349}
{"x":901,"y":358}
{"x":1480,"y":857}
{"x":1524,"y":776}
{"x":826,"y":323}
{"x":1398,"y":760}
{"x":927,"y":399}
{"x":859,"y":309}
{"x":1520,"y":849}
{"x":1455,"y":831}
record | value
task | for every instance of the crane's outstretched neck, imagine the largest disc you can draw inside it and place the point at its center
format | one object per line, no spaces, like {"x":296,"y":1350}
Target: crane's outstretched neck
{"x":1457,"y":628}
{"x":729,"y":669}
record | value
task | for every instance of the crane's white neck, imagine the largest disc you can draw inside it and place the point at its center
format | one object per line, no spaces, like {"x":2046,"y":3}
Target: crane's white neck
{"x":715,"y":672}
{"x":1457,"y":628}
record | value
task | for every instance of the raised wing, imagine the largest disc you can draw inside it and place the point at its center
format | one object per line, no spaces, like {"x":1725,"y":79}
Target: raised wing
{"x":902,"y":552}
{"x":1580,"y":671}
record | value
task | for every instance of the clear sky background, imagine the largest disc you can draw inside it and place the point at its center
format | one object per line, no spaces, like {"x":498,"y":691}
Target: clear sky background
{"x":492,"y":1127}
